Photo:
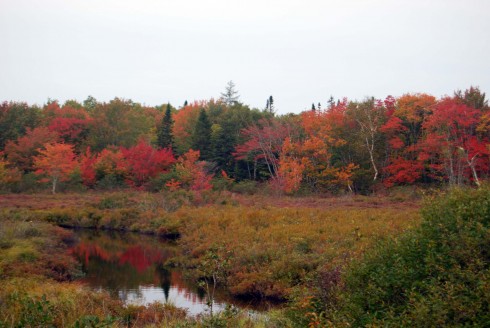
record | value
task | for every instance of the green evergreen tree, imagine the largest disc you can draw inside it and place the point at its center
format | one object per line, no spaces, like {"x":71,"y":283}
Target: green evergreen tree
{"x":165,"y":138}
{"x":222,"y":146}
{"x":201,"y":138}
{"x":217,"y":144}
{"x":270,"y":105}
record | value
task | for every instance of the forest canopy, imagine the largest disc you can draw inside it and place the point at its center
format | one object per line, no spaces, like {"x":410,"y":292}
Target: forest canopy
{"x":345,"y":146}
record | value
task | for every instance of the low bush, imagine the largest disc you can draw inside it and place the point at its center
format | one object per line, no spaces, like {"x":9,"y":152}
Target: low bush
{"x":116,"y":200}
{"x":437,"y":274}
{"x":247,"y":187}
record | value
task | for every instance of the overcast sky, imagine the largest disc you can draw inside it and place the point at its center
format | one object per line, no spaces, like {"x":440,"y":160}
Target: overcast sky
{"x":154,"y":51}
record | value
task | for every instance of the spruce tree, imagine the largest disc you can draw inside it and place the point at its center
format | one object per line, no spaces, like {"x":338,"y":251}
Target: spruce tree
{"x":201,"y":138}
{"x":271,"y":105}
{"x":223,"y":145}
{"x":165,"y":138}
{"x":230,"y":97}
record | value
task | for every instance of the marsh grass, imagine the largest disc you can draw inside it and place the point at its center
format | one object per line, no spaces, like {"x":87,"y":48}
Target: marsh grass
{"x":271,"y":250}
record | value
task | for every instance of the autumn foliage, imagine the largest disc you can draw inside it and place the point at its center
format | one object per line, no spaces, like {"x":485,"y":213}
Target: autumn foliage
{"x":191,"y":172}
{"x":346,"y":146}
{"x":56,"y":161}
{"x":143,"y":162}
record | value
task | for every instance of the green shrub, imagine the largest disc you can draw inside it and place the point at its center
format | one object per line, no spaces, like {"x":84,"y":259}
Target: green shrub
{"x":33,"y":312}
{"x":159,"y":182}
{"x":29,"y":182}
{"x":110,"y":182}
{"x":221,"y":184}
{"x":118,"y":200}
{"x":171,"y":201}
{"x":438,"y":274}
{"x":92,"y":321}
{"x":74,"y":183}
{"x":245,"y":187}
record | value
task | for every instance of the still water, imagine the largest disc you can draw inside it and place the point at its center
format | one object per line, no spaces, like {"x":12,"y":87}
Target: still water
{"x":133,"y":268}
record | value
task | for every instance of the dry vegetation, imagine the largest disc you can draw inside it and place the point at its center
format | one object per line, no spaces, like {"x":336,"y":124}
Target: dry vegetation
{"x":270,"y":250}
{"x":265,"y":250}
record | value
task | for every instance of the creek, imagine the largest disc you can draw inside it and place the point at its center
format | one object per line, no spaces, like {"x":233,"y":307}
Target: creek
{"x":134,"y":268}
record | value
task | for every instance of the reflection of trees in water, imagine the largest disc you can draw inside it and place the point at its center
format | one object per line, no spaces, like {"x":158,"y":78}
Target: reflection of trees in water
{"x":124,"y":294}
{"x":173,"y":279}
{"x":189,"y":291}
{"x":123,"y":263}
{"x":142,"y":258}
{"x":165,"y":281}
{"x":113,"y":276}
{"x":116,"y":242}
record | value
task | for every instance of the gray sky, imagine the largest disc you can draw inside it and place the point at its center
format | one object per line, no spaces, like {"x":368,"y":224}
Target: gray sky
{"x":298,"y":51}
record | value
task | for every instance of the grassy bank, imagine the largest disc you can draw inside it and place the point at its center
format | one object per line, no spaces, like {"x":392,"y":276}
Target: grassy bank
{"x":38,"y":288}
{"x":267,"y":250}
{"x":260,"y":250}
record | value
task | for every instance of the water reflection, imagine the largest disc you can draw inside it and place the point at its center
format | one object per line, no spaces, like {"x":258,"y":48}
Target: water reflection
{"x":132,"y":267}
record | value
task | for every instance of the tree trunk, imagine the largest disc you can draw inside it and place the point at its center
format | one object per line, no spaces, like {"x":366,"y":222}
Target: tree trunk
{"x":53,"y":190}
{"x":471,"y":164}
{"x":371,"y":156}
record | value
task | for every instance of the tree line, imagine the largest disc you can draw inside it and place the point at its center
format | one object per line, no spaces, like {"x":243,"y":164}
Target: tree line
{"x":347,"y":146}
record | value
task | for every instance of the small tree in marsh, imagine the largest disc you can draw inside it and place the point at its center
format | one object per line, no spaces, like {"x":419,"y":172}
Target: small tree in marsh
{"x":56,"y":161}
{"x":214,"y":268}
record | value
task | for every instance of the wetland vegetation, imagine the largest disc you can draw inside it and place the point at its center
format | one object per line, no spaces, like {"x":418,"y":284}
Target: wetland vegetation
{"x":331,"y":265}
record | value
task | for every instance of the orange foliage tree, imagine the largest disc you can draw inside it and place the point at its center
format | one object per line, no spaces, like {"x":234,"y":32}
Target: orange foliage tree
{"x":110,"y":163}
{"x":291,"y":168}
{"x":8,"y":174}
{"x":321,"y":129}
{"x":56,"y":161}
{"x":21,"y":152}
{"x":191,"y":172}
{"x":184,"y":122}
